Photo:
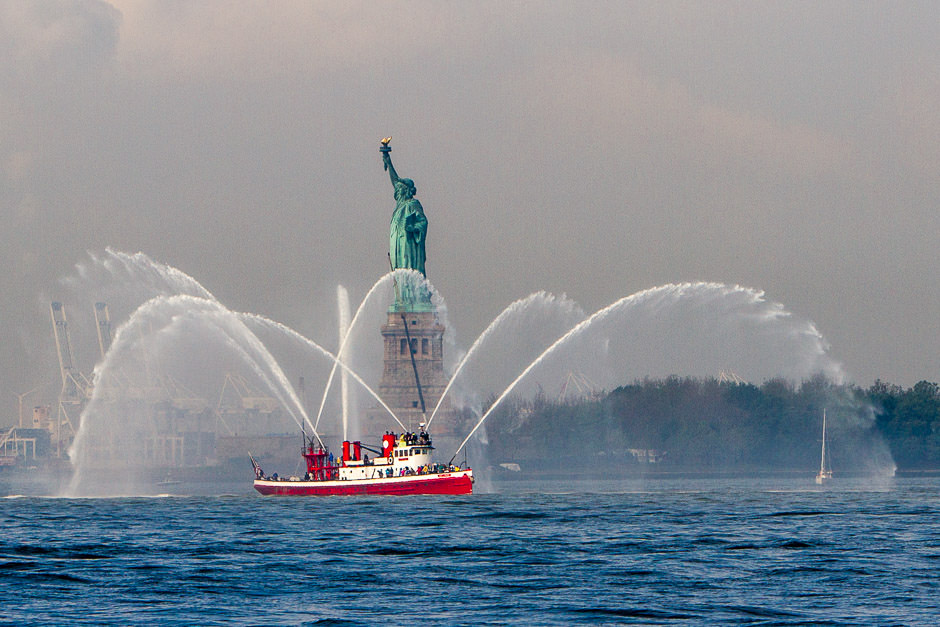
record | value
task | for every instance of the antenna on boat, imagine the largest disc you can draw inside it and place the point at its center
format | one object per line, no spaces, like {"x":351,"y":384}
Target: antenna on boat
{"x":303,"y":431}
{"x":303,"y":402}
{"x":411,"y":350}
{"x":414,"y":366}
{"x":457,"y":452}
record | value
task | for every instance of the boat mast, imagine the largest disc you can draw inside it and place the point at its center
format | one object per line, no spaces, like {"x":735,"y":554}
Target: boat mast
{"x":822,"y":459}
{"x":414,"y":366}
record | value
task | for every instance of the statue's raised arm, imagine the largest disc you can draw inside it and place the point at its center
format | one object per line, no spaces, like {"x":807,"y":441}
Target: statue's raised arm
{"x":386,"y":151}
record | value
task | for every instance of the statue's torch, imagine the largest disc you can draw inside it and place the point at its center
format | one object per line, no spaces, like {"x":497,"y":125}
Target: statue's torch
{"x":385,"y":149}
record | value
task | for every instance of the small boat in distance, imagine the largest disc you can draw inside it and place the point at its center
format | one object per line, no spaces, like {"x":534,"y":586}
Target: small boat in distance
{"x":825,"y":472}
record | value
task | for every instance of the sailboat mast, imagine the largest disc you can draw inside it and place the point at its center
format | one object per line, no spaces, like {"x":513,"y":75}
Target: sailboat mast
{"x":822,"y":459}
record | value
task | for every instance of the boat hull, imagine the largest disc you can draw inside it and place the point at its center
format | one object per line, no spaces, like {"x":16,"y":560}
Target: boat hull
{"x":458,"y":482}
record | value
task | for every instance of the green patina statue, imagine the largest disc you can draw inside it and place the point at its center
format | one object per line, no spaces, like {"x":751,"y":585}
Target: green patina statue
{"x":406,"y":236}
{"x":409,"y":226}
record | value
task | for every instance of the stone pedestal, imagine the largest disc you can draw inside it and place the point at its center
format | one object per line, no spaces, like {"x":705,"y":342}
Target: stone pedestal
{"x":397,"y":387}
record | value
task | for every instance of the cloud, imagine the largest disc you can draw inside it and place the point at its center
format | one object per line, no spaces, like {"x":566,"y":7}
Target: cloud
{"x":190,"y":41}
{"x":592,"y":93}
{"x":914,"y":105}
{"x":44,"y":42}
{"x":49,"y":51}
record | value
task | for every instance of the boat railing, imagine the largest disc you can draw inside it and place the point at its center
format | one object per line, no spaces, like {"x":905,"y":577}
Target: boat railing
{"x":5,"y":437}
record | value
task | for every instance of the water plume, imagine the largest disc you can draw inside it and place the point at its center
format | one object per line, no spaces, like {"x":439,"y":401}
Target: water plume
{"x":347,"y":334}
{"x":325,"y":353}
{"x":383,"y":291}
{"x":182,"y":335}
{"x":689,"y":328}
{"x":535,"y":318}
{"x":342,"y":301}
{"x":177,"y":334}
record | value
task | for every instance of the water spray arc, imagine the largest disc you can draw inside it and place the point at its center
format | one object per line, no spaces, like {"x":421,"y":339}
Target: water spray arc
{"x":394,"y":276}
{"x":222,"y":321}
{"x":342,"y":304}
{"x":145,"y":273}
{"x":182,"y":310}
{"x":294,"y":334}
{"x":749,"y":304}
{"x":171,"y":282}
{"x":697,"y":317}
{"x":576,"y":329}
{"x":212,"y":317}
{"x":345,"y":339}
{"x":511,"y":310}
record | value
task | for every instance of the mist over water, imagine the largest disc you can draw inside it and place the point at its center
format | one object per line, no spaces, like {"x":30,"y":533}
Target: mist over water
{"x":170,"y":352}
{"x":689,"y":329}
{"x":173,"y":334}
{"x":697,"y":329}
{"x":517,"y":336}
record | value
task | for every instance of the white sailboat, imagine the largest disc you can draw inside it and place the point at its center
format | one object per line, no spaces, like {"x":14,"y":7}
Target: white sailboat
{"x":825,"y":472}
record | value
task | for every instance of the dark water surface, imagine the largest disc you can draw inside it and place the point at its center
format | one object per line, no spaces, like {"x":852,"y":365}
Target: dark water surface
{"x":667,"y":551}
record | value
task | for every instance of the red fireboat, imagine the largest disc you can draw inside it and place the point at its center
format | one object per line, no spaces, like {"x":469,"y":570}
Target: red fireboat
{"x":403,"y":466}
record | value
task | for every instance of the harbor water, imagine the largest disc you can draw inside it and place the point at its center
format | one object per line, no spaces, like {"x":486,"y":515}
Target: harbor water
{"x":656,"y":551}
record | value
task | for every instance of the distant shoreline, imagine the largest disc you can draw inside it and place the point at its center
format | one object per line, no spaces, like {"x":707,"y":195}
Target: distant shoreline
{"x":743,"y":473}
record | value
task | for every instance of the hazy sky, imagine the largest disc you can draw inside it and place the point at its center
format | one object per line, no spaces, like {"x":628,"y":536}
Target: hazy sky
{"x":593,"y":149}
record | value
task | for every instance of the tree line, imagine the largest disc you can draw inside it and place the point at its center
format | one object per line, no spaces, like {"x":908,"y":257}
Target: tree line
{"x":694,"y":423}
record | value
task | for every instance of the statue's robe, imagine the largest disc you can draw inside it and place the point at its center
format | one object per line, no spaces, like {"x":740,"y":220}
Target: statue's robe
{"x":407,"y":234}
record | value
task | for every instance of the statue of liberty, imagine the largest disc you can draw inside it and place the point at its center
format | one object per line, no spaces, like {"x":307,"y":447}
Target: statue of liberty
{"x":407,"y":230}
{"x":409,"y":226}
